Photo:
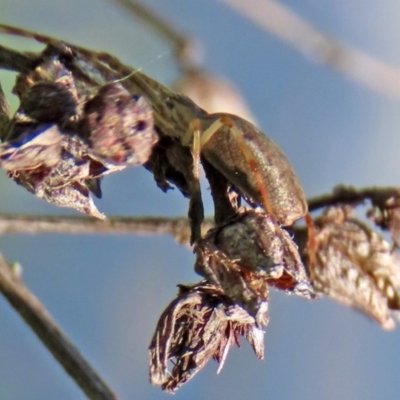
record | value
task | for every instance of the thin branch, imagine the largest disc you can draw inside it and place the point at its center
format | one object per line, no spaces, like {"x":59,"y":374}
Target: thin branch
{"x":280,"y":21}
{"x":185,"y":47}
{"x":352,"y":196}
{"x":39,"y":320}
{"x":16,"y":61}
{"x":160,"y":25}
{"x":178,"y":227}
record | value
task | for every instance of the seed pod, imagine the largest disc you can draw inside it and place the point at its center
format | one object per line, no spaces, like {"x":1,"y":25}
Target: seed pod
{"x":246,"y":256}
{"x":119,"y":126}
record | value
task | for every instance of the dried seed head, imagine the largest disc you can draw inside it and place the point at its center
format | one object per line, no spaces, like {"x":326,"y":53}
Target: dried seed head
{"x":200,"y":324}
{"x":50,"y":70}
{"x":64,"y":183}
{"x":119,"y":126}
{"x":356,"y":266}
{"x":57,"y":103}
{"x":246,"y":256}
{"x":58,"y":149}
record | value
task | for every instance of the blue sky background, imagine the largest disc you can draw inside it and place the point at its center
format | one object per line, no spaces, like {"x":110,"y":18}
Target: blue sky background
{"x":108,"y":291}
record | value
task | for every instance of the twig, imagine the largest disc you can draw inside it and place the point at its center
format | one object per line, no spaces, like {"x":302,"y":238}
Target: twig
{"x":185,"y":47}
{"x":351,"y":195}
{"x":16,"y":61}
{"x":26,"y":224}
{"x":282,"y":22}
{"x":39,"y":320}
{"x":177,"y":227}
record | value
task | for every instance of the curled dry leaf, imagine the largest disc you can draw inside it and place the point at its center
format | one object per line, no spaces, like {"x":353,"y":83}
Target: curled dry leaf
{"x":62,"y":140}
{"x":200,"y":324}
{"x":246,"y":256}
{"x":356,"y":266}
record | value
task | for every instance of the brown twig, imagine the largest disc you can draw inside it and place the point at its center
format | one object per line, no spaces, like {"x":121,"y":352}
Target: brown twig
{"x":280,"y":21}
{"x":177,"y":227}
{"x":352,"y":196}
{"x":15,"y":61}
{"x":39,"y":320}
{"x":26,"y":224}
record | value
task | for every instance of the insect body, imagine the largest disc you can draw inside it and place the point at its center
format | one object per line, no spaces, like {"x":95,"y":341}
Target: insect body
{"x":255,"y":165}
{"x":247,"y":158}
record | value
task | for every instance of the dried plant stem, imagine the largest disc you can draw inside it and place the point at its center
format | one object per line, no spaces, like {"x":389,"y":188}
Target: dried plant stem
{"x":39,"y":320}
{"x":26,"y":224}
{"x":177,"y":227}
{"x":16,"y":61}
{"x":280,"y":21}
{"x":351,"y":195}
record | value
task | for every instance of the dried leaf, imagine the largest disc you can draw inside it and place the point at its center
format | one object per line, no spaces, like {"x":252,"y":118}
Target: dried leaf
{"x":356,"y":266}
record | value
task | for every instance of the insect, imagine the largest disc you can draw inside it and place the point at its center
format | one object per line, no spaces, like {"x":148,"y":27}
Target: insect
{"x":248,"y":159}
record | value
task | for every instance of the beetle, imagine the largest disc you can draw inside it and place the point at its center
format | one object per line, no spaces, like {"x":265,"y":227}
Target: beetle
{"x":247,"y":158}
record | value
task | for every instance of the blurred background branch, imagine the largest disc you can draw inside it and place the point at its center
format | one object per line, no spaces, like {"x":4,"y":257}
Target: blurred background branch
{"x":39,"y":320}
{"x":280,"y":21}
{"x":186,"y":49}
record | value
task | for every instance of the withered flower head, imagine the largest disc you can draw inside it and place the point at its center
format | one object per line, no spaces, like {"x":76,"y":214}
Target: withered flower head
{"x":57,"y":103}
{"x":200,"y":324}
{"x":247,"y":255}
{"x":119,"y":126}
{"x":62,"y":139}
{"x":356,"y":266}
